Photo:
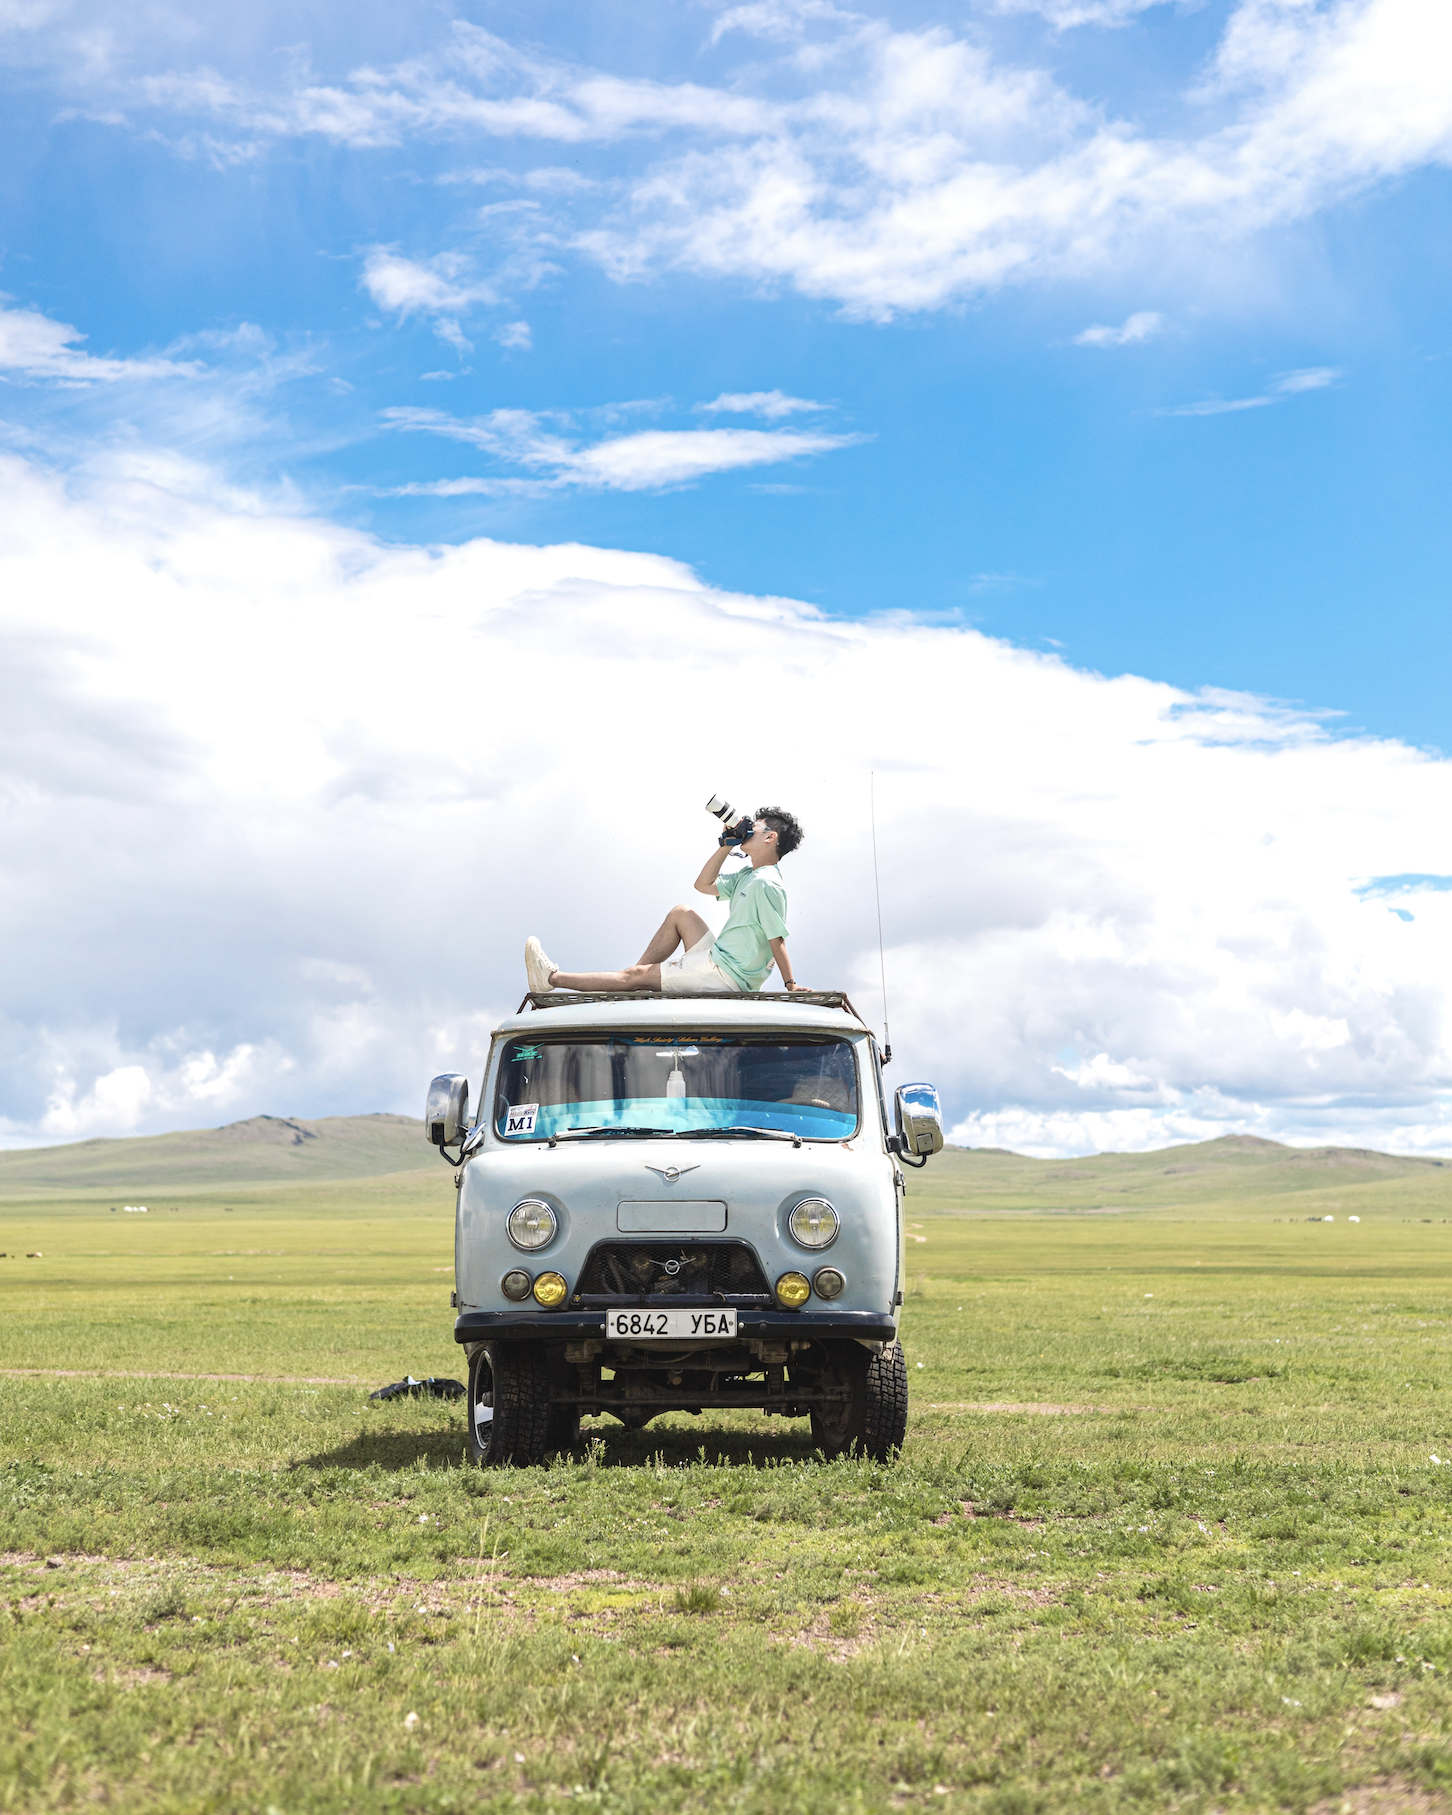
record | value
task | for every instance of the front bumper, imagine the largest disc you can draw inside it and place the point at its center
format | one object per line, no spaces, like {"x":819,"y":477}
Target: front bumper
{"x":577,"y":1326}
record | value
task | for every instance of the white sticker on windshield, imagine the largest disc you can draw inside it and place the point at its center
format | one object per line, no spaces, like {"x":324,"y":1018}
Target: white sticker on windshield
{"x":520,"y":1119}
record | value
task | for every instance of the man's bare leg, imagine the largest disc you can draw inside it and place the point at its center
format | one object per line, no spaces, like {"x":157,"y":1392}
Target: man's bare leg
{"x":639,"y":976}
{"x":681,"y":926}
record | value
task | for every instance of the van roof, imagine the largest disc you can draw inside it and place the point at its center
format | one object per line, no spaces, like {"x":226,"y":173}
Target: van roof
{"x":816,"y":1011}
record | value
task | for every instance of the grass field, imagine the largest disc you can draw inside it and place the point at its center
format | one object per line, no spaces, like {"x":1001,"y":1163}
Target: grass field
{"x":1168,"y":1531}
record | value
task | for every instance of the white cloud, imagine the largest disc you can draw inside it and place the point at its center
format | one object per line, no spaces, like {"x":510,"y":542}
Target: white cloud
{"x":1312,"y":378}
{"x":676,"y":456}
{"x":894,"y":169}
{"x":469,"y":486}
{"x":1060,"y":1132}
{"x":1102,"y":1073}
{"x":644,"y":461}
{"x":28,"y":15}
{"x":406,"y":286}
{"x":477,"y":86}
{"x":1064,"y":14}
{"x":446,"y":288}
{"x":1142,"y":325}
{"x":773,"y":405}
{"x":163,"y":1085}
{"x":928,"y":171}
{"x":1000,"y":582}
{"x":782,"y":20}
{"x":889,"y":169}
{"x":281,"y":806}
{"x":32,"y":345}
{"x":557,"y":179}
{"x":1289,"y":384}
{"x":1312,"y":1033}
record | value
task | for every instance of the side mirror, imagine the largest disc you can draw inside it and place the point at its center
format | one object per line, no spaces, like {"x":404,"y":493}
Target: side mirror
{"x":446,"y":1113}
{"x":919,"y":1120}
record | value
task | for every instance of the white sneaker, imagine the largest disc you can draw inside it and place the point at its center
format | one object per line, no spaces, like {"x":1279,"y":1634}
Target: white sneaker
{"x":537,"y":968}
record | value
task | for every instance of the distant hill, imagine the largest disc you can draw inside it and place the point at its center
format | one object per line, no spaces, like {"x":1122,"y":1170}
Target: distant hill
{"x":265,"y":1149}
{"x":1237,"y":1169}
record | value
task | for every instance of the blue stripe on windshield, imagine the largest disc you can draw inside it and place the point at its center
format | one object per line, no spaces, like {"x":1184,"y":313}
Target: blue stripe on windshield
{"x":680,"y":1113}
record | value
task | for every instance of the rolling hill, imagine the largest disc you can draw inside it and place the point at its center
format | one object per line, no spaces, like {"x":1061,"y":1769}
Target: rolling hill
{"x":1236,"y":1172}
{"x":265,"y":1149}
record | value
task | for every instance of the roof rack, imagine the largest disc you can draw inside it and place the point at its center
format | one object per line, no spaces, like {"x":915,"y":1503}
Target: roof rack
{"x":569,"y":998}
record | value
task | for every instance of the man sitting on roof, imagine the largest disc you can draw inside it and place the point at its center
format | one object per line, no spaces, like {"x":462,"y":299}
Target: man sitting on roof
{"x":753,"y":939}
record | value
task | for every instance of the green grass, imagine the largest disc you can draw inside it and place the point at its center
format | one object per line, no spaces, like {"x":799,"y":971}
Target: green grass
{"x":1166,"y":1534}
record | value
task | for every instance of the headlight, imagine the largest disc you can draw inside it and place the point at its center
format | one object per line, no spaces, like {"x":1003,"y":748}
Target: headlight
{"x":814,"y":1223}
{"x":550,"y":1290}
{"x":516,"y":1283}
{"x":829,"y":1283}
{"x":792,"y":1290}
{"x":532,"y":1224}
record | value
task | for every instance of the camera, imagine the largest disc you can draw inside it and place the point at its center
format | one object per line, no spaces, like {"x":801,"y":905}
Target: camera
{"x":736,"y":827}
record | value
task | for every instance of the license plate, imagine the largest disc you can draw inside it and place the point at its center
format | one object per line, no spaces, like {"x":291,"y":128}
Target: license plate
{"x":674,"y":1326}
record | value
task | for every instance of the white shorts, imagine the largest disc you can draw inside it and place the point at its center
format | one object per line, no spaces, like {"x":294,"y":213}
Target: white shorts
{"x":696,"y":970}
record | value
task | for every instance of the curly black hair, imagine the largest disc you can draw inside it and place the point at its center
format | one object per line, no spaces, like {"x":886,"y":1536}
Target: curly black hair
{"x":787,"y":826}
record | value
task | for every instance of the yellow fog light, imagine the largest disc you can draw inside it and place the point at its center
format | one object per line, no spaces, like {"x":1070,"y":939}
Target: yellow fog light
{"x":550,"y":1290}
{"x":792,"y":1290}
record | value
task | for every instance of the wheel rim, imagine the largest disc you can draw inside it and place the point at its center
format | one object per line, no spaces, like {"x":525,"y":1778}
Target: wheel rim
{"x":481,"y":1409}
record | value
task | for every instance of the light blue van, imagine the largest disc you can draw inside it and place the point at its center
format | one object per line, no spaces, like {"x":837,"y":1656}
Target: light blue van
{"x":675,"y":1203}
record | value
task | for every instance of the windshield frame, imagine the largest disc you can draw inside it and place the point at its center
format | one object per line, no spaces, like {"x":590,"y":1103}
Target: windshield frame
{"x":485,"y":1112}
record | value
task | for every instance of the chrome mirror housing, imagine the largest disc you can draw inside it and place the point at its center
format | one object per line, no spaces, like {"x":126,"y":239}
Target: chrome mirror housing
{"x":919,"y":1120}
{"x":446,"y":1113}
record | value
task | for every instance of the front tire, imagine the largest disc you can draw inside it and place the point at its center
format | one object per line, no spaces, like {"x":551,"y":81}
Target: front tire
{"x":873,"y":1420}
{"x":885,"y":1404}
{"x":509,"y":1405}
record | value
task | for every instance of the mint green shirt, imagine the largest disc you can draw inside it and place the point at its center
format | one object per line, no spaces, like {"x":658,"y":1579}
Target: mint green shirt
{"x":758,"y":915}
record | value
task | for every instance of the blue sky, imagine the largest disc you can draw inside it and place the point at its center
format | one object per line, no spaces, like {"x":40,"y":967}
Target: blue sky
{"x":1115,"y":331}
{"x":165,"y":185}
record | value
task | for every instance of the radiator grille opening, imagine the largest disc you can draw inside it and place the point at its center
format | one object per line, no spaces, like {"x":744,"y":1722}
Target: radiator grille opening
{"x":625,"y":1272}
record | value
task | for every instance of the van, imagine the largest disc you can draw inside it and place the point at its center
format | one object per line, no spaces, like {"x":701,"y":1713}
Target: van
{"x":683,"y":1203}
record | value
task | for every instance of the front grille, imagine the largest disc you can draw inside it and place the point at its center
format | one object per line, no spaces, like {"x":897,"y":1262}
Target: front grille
{"x":626,"y":1272}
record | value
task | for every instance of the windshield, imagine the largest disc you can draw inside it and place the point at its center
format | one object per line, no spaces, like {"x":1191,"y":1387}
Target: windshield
{"x":801,"y":1085}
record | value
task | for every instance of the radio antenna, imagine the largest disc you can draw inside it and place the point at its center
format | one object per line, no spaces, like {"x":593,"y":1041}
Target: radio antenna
{"x":877,"y":890}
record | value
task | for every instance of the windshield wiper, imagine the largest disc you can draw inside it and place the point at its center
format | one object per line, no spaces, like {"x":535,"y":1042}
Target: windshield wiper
{"x":585,"y":1134}
{"x":740,"y":1133}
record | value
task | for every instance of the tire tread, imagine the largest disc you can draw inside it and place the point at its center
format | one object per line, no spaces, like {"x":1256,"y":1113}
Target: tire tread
{"x":520,"y":1429}
{"x":885,"y":1403}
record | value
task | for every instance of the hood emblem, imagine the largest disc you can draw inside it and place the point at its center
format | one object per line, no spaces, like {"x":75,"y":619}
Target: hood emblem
{"x":671,"y":1173}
